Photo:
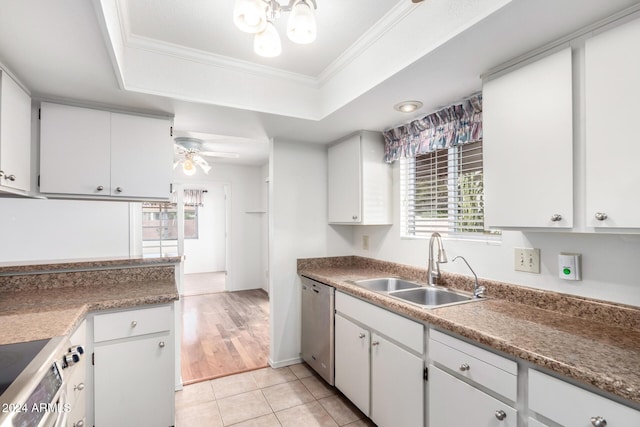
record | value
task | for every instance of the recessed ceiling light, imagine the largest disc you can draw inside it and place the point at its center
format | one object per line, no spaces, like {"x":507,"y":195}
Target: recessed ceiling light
{"x":408,"y":106}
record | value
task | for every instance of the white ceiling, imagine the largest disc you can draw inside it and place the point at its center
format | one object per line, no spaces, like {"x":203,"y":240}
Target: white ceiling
{"x":186,"y":58}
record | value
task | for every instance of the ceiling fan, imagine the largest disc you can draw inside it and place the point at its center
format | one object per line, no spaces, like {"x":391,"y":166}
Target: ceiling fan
{"x":192,"y":154}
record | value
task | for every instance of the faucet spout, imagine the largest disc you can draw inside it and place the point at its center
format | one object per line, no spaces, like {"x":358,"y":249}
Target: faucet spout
{"x":478,"y":291}
{"x":433,"y":266}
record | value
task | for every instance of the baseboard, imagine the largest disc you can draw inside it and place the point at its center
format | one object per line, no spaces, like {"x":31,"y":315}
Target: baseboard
{"x":283,"y":363}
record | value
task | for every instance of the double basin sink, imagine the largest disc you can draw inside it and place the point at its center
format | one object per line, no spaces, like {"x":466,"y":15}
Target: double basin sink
{"x":427,"y":297}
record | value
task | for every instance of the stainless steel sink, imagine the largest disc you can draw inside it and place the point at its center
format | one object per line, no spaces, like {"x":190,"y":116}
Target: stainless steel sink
{"x":386,"y":284}
{"x":431,"y":297}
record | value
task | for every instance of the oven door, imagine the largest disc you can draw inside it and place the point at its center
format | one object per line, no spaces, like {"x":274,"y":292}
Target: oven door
{"x":57,"y":418}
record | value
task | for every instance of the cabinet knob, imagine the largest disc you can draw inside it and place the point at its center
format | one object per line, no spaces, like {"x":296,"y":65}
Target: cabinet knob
{"x":99,"y":188}
{"x":464,"y":367}
{"x":556,"y":217}
{"x":79,"y":386}
{"x":10,"y":177}
{"x":161,"y":344}
{"x":375,"y":343}
{"x":79,"y":423}
{"x":1,"y":173}
{"x":500,"y":414}
{"x":118,"y":189}
{"x":134,"y":324}
{"x":361,"y":335}
{"x":355,"y":217}
{"x":598,"y":422}
{"x":601,"y":216}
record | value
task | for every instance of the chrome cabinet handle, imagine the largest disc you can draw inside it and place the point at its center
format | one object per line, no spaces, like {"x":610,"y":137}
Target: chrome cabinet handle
{"x":99,"y":188}
{"x":79,"y":424}
{"x":161,"y":344}
{"x":1,"y":173}
{"x":598,"y":422}
{"x":375,"y":343}
{"x":79,"y":386}
{"x":10,"y":177}
{"x":118,"y":189}
{"x":134,"y":324}
{"x":361,"y":335}
{"x":601,"y":216}
{"x":355,"y":217}
{"x":464,"y":367}
{"x":500,"y":414}
{"x":556,"y":217}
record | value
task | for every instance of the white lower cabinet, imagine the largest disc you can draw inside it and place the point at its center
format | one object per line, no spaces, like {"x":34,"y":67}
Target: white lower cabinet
{"x":352,"y":362}
{"x":134,"y":368}
{"x":379,"y":362}
{"x":397,"y":385}
{"x":453,"y":402}
{"x":568,"y":405}
{"x":470,"y":386}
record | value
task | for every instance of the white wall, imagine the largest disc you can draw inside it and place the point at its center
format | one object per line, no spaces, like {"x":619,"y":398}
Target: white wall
{"x":207,"y":253}
{"x":298,"y":223}
{"x":38,"y":230}
{"x":245,"y":231}
{"x":608,"y":261}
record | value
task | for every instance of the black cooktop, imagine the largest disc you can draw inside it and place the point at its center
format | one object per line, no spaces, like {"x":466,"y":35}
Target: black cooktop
{"x":14,"y":358}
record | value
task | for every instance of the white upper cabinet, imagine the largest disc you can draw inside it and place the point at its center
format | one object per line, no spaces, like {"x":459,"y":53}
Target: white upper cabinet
{"x":15,"y":137}
{"x":359,"y":181}
{"x":98,"y":154}
{"x":528,"y":145}
{"x":612,"y":97}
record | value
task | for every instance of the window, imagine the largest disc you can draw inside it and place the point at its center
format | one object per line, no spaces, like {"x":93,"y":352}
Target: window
{"x":443,"y":191}
{"x":160,"y":221}
{"x":160,"y":227}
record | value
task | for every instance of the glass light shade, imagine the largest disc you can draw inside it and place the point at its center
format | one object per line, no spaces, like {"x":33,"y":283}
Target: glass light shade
{"x":301,"y":27}
{"x":250,"y":15}
{"x":188,"y":167}
{"x":267,"y":43}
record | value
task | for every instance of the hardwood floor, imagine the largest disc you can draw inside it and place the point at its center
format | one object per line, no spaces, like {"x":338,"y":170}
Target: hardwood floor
{"x":224,"y":333}
{"x":203,"y":283}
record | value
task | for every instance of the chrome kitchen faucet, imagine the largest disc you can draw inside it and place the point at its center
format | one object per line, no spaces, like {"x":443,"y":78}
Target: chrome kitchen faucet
{"x":433,"y":274}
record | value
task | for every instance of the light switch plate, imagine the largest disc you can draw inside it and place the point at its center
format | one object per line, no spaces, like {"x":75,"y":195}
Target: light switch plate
{"x":527,"y":259}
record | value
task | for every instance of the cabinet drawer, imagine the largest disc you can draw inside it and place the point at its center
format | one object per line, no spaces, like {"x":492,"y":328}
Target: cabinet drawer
{"x":131,"y":323}
{"x":577,"y":406}
{"x":394,"y":326}
{"x":483,"y":367}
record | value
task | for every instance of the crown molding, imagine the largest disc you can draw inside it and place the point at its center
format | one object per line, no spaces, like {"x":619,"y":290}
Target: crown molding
{"x":134,"y":41}
{"x":377,"y":31}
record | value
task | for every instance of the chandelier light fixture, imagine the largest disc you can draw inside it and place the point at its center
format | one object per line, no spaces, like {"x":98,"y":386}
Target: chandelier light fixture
{"x":257,"y":17}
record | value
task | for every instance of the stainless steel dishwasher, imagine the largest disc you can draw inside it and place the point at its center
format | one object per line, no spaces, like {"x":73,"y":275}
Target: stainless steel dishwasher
{"x":317,"y":327}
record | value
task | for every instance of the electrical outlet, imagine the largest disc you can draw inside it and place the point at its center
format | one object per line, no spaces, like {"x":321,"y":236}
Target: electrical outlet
{"x":527,"y":259}
{"x":365,"y":242}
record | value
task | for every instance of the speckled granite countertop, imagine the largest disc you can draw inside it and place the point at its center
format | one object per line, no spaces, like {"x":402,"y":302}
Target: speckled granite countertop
{"x":598,"y":344}
{"x":44,"y":305}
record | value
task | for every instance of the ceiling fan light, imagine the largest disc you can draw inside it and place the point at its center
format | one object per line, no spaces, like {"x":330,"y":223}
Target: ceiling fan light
{"x":301,"y":27}
{"x":250,"y":15}
{"x":267,"y":43}
{"x":188,"y":167}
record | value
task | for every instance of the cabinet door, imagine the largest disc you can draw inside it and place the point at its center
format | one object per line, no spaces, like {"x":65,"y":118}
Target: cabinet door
{"x":134,"y":383}
{"x":527,"y":143}
{"x":352,"y":362}
{"x":612,"y":91}
{"x":74,"y":150}
{"x":15,"y":135}
{"x":397,"y":385}
{"x":453,"y":402}
{"x":345,"y":186}
{"x":141,"y":156}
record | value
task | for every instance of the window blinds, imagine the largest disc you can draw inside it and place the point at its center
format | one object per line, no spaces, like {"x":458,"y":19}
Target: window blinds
{"x":443,"y":192}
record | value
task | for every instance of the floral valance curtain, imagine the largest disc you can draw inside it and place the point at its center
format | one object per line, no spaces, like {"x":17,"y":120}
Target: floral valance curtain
{"x":456,"y":124}
{"x":194,"y":197}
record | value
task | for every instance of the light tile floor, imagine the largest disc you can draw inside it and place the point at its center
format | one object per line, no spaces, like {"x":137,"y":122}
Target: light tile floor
{"x":291,"y":396}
